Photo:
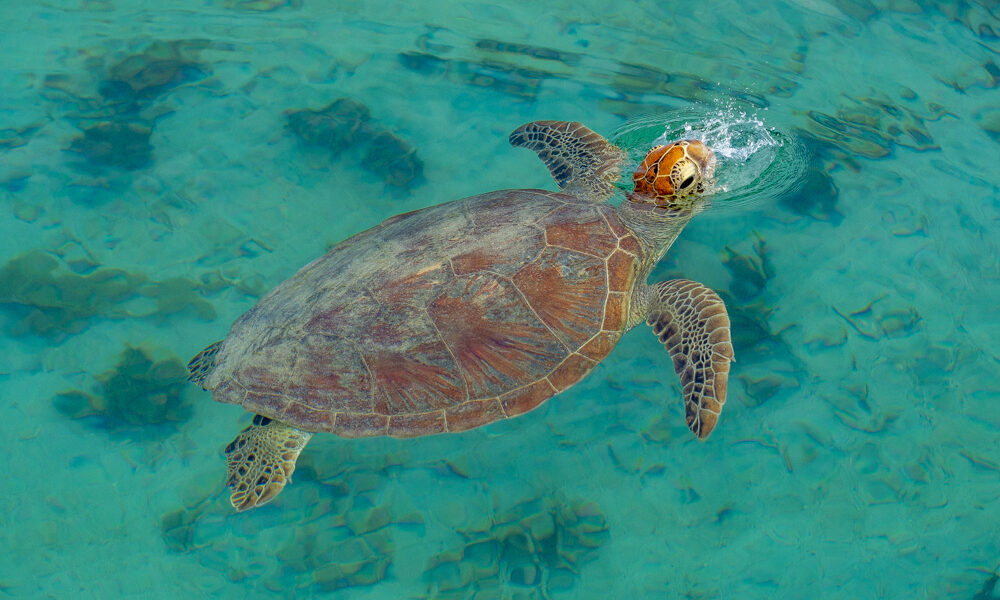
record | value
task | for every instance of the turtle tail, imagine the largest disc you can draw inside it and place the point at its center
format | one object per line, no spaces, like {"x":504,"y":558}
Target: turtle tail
{"x":203,"y":363}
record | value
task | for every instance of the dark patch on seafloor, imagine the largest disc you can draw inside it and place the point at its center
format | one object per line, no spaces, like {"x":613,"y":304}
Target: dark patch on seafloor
{"x":519,"y":70}
{"x":117,"y":125}
{"x":343,"y":534}
{"x":989,"y":122}
{"x":391,"y":158}
{"x":133,"y":398}
{"x":345,"y":124}
{"x":815,"y":196}
{"x":47,"y":298}
{"x":263,"y":5}
{"x":118,"y":144}
{"x":342,"y":124}
{"x":973,"y":80}
{"x":498,"y":76}
{"x":13,"y":137}
{"x":745,"y":296}
{"x":754,"y":339}
{"x":750,"y":273}
{"x":537,"y":547}
{"x":989,"y":590}
{"x":873,"y":127}
{"x":137,"y":79}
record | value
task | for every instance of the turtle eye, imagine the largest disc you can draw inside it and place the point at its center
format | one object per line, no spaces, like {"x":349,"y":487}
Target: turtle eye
{"x":687,"y":182}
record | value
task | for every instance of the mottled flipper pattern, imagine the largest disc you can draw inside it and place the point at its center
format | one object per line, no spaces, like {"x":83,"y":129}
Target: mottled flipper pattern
{"x":692,"y":322}
{"x":261,"y":461}
{"x":581,"y":161}
{"x":203,"y":363}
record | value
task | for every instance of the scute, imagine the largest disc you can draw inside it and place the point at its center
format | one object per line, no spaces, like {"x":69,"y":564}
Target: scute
{"x":498,"y":342}
{"x":567,"y":290}
{"x":326,"y":373}
{"x":580,"y":230}
{"x":442,"y":319}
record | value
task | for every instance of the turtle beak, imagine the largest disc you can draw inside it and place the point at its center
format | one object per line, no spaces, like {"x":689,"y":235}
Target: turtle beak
{"x":704,"y":159}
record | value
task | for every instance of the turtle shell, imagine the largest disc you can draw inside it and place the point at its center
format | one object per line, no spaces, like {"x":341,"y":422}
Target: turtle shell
{"x":442,"y":319}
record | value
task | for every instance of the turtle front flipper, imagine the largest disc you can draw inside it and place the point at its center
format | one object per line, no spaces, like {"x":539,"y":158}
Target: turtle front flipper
{"x":581,"y":161}
{"x":261,"y":461}
{"x":692,"y":323}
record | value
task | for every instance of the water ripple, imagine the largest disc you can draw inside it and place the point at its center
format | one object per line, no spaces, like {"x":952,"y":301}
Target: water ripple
{"x":756,"y":161}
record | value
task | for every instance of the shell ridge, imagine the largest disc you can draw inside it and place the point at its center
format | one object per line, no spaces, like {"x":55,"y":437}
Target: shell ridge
{"x":496,"y":337}
{"x":565,"y":249}
{"x":451,"y":352}
{"x":368,"y":369}
{"x":535,"y":312}
{"x":560,"y":206}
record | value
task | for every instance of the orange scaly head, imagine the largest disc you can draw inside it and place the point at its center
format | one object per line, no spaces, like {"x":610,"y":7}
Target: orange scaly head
{"x":672,"y":176}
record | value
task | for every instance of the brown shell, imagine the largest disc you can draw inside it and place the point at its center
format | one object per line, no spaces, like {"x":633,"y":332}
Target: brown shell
{"x":442,"y":319}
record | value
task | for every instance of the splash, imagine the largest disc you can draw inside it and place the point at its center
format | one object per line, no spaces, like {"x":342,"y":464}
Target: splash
{"x":755,"y":161}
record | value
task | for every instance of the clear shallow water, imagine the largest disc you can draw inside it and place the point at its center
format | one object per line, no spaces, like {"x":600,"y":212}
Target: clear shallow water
{"x":154,"y":186}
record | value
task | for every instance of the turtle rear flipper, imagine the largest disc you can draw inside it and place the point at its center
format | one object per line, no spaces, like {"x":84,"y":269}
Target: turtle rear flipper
{"x":692,"y":323}
{"x":581,"y":161}
{"x":262,"y":460}
{"x":203,"y":363}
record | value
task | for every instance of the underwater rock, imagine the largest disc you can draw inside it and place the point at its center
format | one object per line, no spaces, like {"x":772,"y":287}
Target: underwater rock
{"x":537,"y":52}
{"x":872,"y":127}
{"x":263,"y":5}
{"x":423,"y":63}
{"x":851,"y":138}
{"x":637,"y":80}
{"x":989,"y":122}
{"x":876,"y":320}
{"x":502,"y":77}
{"x":117,"y":124}
{"x":753,"y":337}
{"x":354,"y":561}
{"x":394,"y":160}
{"x":338,"y":126}
{"x":117,"y":144}
{"x":857,"y":409}
{"x":143,"y":76}
{"x":535,"y":548}
{"x":15,"y":138}
{"x":815,"y":197}
{"x":985,"y":76}
{"x":49,"y":300}
{"x":345,"y":123}
{"x":497,"y":74}
{"x":520,"y":70}
{"x":510,"y":68}
{"x":52,"y":301}
{"x":750,"y":273}
{"x":342,"y":535}
{"x":990,"y":589}
{"x":137,"y":393}
{"x":29,"y":213}
{"x":760,"y":389}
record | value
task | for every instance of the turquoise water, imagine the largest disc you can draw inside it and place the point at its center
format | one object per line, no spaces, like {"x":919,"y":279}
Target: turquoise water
{"x":158,"y":175}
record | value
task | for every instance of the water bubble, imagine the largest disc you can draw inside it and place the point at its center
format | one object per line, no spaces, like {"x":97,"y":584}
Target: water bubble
{"x":755,"y":161}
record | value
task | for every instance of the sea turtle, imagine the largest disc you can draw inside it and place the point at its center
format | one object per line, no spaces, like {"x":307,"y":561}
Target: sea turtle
{"x":454,"y":316}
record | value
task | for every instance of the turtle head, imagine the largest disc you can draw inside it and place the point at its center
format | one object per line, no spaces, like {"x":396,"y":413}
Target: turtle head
{"x":675,"y":175}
